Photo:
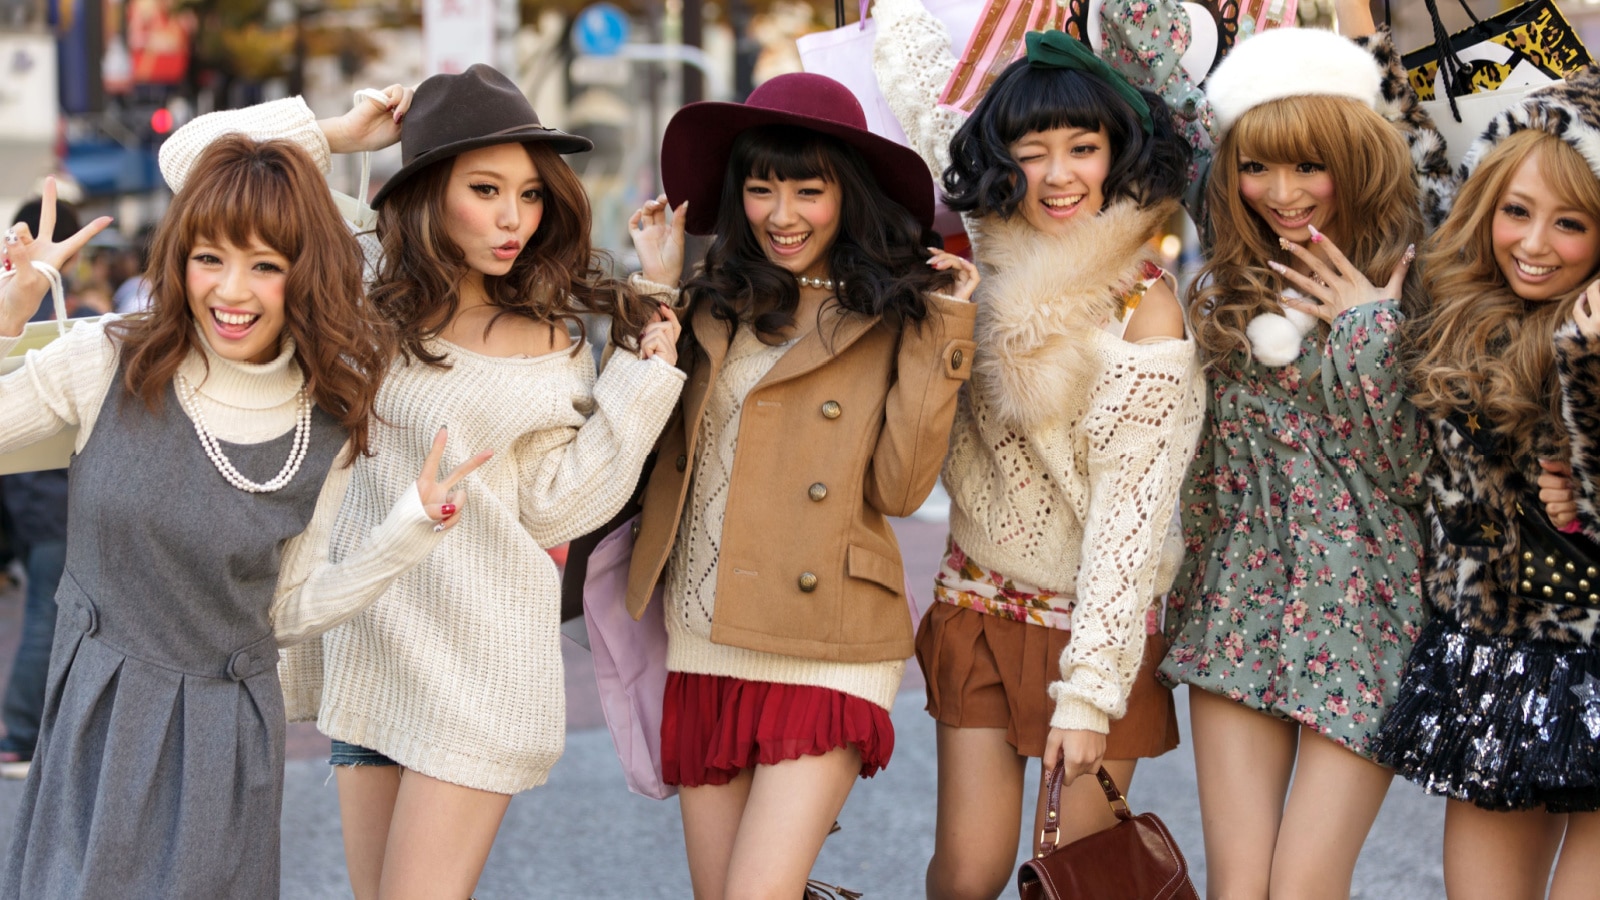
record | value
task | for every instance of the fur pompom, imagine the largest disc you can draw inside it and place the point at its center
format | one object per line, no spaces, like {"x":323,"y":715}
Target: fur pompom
{"x":1275,"y":339}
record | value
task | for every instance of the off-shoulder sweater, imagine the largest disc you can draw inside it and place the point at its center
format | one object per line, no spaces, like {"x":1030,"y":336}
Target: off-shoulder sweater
{"x":1070,"y":443}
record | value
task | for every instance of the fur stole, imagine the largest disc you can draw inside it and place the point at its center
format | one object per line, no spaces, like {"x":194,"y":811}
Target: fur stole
{"x":1041,"y":300}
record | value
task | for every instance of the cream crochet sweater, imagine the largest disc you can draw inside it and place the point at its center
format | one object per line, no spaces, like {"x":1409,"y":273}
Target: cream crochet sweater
{"x":456,"y":671}
{"x":1070,"y":443}
{"x":66,"y":383}
{"x":692,"y":568}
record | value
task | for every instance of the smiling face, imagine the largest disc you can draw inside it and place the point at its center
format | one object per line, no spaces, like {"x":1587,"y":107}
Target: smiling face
{"x":794,"y":221}
{"x":236,"y":294}
{"x":1546,"y":246}
{"x":493,"y":204}
{"x":1066,"y":172}
{"x":1289,"y":197}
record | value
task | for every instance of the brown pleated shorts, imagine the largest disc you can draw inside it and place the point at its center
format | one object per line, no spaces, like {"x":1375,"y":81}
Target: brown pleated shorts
{"x":986,"y":671}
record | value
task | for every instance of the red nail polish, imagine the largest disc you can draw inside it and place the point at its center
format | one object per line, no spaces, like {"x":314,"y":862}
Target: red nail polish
{"x":447,"y":510}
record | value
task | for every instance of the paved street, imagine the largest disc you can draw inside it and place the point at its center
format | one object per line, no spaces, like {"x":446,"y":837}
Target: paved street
{"x":583,"y":835}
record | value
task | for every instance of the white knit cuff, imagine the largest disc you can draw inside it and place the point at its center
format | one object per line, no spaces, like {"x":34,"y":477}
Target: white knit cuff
{"x":1075,"y":713}
{"x":406,"y":535}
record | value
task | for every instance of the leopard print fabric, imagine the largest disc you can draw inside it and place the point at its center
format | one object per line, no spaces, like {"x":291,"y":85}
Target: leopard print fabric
{"x":1476,"y":489}
{"x":1400,"y":107}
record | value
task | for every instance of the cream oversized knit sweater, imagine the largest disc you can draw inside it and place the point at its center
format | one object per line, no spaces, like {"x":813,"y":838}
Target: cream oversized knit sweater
{"x":456,"y":671}
{"x":66,"y":383}
{"x":1070,"y":443}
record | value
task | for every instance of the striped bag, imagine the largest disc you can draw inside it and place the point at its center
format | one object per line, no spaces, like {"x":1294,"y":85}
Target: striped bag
{"x":995,"y":43}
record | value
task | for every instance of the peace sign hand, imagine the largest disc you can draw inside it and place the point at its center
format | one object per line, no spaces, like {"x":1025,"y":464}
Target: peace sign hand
{"x":443,"y":506}
{"x":19,"y":250}
{"x":1337,"y":284}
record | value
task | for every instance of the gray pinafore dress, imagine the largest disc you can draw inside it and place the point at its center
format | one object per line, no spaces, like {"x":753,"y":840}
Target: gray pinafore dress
{"x":159,"y":769}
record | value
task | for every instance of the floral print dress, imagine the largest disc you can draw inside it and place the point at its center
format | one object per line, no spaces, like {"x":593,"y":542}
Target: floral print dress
{"x":1301,"y":594}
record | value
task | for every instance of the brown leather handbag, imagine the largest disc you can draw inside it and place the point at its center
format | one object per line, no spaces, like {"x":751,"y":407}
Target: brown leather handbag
{"x":1135,"y":859}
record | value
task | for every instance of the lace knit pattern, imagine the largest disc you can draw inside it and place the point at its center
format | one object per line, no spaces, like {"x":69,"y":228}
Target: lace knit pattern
{"x":1085,"y":504}
{"x":456,"y":671}
{"x":692,"y":567}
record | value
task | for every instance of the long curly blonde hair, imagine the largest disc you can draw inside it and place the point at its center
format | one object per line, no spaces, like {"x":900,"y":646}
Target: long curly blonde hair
{"x":1377,"y":212}
{"x":1480,"y":347}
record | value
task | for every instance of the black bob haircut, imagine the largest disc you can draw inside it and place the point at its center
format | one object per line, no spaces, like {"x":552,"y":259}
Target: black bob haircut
{"x":878,"y":253}
{"x":984,"y":178}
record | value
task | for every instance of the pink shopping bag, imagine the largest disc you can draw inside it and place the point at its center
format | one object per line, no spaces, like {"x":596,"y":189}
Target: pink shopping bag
{"x":996,"y":42}
{"x":630,"y":662}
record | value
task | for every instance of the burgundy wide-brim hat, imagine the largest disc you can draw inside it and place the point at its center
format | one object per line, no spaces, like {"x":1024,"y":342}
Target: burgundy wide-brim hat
{"x":451,"y":114}
{"x":699,"y":139}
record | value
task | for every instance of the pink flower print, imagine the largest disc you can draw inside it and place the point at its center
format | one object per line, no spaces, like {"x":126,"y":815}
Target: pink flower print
{"x":1337,"y":705}
{"x":1294,"y":615}
{"x":1360,"y":718}
{"x":1233,"y":646}
{"x":1318,"y":665}
{"x":958,"y":558}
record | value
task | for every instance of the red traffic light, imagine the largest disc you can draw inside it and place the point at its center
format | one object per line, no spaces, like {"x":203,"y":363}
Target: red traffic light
{"x":161,"y":121}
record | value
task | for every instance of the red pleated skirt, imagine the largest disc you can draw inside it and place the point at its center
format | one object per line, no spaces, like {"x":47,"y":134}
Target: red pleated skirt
{"x":713,"y":727}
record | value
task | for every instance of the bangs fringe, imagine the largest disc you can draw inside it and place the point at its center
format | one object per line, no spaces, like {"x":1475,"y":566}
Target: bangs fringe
{"x":785,"y":153}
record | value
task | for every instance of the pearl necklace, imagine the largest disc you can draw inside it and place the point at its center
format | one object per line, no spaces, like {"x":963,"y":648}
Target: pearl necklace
{"x":826,"y":284}
{"x":297,"y":453}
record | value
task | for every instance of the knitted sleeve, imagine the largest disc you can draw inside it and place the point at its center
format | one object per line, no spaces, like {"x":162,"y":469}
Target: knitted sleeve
{"x":1143,"y":43}
{"x":59,"y":386}
{"x":314,"y":595}
{"x":1143,"y":419}
{"x":1578,"y":361}
{"x":934,"y":360}
{"x":1365,"y":388}
{"x":289,"y":119}
{"x":1404,"y":111}
{"x":912,"y":59}
{"x":573,"y":480}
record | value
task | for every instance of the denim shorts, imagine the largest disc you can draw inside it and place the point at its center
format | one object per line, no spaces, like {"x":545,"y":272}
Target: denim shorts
{"x":350,"y":755}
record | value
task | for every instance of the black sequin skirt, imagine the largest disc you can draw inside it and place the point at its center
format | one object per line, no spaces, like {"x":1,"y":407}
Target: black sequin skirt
{"x":1500,"y":723}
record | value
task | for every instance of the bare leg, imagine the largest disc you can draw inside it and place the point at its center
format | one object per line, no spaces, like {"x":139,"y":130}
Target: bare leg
{"x":787,"y":815}
{"x":1499,"y":855}
{"x":979,"y":810}
{"x":1578,"y":870}
{"x":439,"y":839}
{"x":366,"y":805}
{"x":1243,"y":760}
{"x":1084,"y":809}
{"x":1332,"y":804}
{"x":711,"y":815}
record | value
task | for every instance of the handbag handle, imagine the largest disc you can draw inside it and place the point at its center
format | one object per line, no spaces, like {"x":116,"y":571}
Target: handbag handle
{"x":1050,"y":834}
{"x":1451,"y":68}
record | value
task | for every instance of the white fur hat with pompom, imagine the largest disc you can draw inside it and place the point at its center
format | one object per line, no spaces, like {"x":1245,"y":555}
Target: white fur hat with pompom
{"x":1291,"y":62}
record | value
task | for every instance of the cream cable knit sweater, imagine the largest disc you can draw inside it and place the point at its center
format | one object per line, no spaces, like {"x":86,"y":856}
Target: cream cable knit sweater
{"x":1070,"y":443}
{"x":65,"y":384}
{"x":456,"y":671}
{"x":692,"y":568}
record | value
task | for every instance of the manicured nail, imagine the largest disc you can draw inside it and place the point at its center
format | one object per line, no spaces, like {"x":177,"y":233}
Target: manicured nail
{"x":1285,"y":243}
{"x":1276,"y":266}
{"x":446,"y":510}
{"x":1411,"y":253}
{"x":438,"y":527}
{"x":1316,"y":236}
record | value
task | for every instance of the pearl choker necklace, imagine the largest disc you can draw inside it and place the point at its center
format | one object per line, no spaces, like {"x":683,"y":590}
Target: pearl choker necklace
{"x":826,"y":284}
{"x":297,"y":453}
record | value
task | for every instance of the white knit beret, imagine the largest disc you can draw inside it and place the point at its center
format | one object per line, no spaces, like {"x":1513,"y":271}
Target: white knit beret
{"x":1291,"y":62}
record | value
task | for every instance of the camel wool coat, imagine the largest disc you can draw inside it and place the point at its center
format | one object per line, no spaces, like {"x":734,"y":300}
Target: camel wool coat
{"x":850,"y":426}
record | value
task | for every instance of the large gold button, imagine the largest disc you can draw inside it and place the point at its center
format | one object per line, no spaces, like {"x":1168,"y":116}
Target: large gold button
{"x":831,"y":409}
{"x":956,"y":358}
{"x":817,"y":492}
{"x":682,"y":463}
{"x":808,"y":581}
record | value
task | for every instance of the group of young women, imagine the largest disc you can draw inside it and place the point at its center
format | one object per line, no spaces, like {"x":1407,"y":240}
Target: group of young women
{"x":1370,"y":488}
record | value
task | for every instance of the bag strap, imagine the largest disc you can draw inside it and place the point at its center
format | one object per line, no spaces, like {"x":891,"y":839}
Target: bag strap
{"x":1451,"y":68}
{"x":1050,"y":834}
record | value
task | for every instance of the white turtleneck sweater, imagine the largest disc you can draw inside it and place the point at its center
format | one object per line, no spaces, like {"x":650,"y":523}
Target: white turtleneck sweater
{"x":65,"y":384}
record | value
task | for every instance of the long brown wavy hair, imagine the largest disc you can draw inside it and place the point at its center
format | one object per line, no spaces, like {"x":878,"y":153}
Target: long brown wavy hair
{"x":555,"y":277}
{"x":1480,"y":347}
{"x":241,"y":191}
{"x":1376,"y":211}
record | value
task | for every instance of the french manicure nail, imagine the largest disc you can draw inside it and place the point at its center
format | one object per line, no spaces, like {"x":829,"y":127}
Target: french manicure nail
{"x":1276,"y":266}
{"x":1316,"y":236}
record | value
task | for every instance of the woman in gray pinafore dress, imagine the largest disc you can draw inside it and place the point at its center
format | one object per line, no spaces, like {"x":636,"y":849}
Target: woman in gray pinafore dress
{"x":192,"y":556}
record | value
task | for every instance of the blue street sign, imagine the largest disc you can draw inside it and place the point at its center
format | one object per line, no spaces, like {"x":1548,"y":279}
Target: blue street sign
{"x":600,"y":30}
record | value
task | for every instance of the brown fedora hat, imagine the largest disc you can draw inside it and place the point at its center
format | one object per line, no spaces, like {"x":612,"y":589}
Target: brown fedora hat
{"x":699,"y":139}
{"x":452,"y":114}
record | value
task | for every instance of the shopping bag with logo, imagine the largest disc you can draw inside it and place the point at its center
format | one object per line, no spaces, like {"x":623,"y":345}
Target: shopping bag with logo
{"x":1467,"y":78}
